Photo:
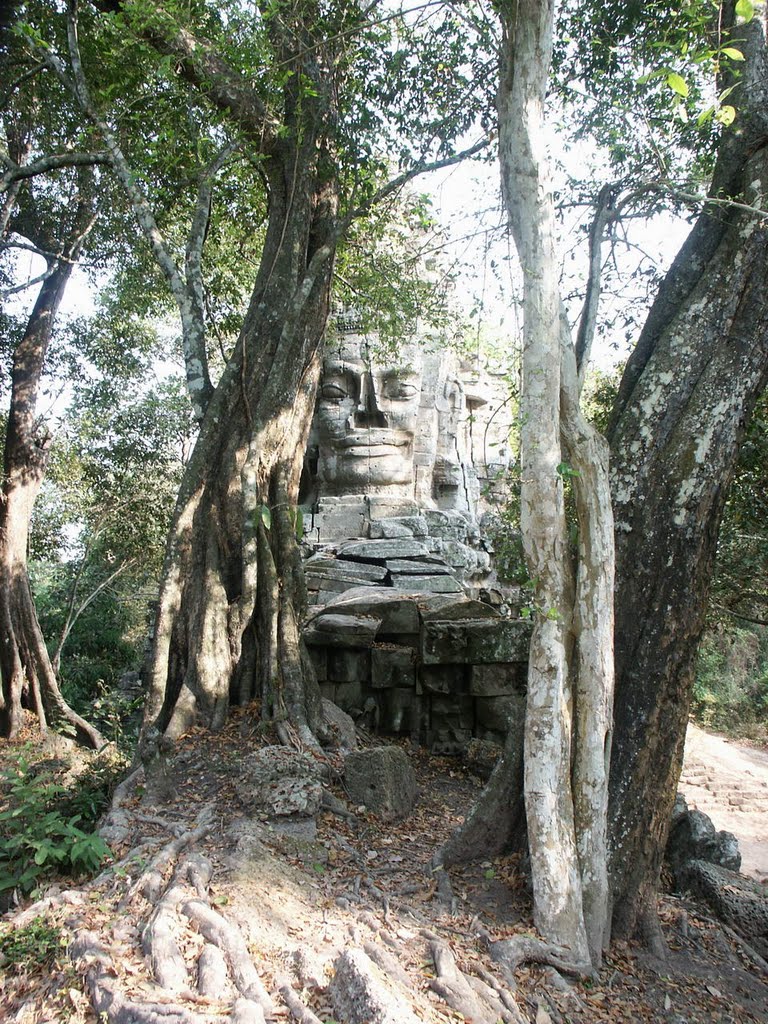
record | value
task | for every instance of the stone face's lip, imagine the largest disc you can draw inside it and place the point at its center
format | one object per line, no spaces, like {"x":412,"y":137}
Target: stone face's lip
{"x":377,"y":439}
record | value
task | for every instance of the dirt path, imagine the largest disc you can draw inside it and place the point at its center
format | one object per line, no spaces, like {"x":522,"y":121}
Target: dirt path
{"x":729,"y":782}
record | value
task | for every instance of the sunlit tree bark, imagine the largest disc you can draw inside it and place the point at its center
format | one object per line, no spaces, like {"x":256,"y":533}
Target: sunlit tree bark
{"x":570,"y":673}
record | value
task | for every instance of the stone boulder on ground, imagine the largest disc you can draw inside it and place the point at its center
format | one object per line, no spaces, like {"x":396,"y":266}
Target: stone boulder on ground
{"x":382,"y":779}
{"x":362,"y":994}
{"x":694,"y":837}
{"x":279,"y":781}
{"x":741,"y":902}
{"x":343,"y":735}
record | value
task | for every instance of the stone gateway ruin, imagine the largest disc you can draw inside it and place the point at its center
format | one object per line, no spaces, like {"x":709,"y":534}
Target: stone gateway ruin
{"x":408,"y":629}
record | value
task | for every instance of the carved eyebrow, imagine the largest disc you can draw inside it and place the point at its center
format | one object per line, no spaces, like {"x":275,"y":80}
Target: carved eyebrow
{"x":402,"y":371}
{"x":342,"y":366}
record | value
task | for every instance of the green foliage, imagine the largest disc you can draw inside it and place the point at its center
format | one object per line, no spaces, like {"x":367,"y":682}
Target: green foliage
{"x":731,"y":686}
{"x":656,"y":78}
{"x":599,"y":395}
{"x":740,"y":585}
{"x":33,"y":948}
{"x":38,"y":837}
{"x":389,"y":275}
{"x":502,"y":530}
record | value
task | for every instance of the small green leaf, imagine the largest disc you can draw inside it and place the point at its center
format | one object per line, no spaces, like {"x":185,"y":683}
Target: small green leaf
{"x":678,"y":84}
{"x":265,"y":515}
{"x":489,"y":874}
{"x":733,"y":53}
{"x":745,"y":9}
{"x":704,"y":116}
{"x":726,"y":115}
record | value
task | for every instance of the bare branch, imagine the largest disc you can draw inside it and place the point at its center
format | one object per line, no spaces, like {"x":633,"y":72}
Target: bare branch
{"x":5,"y":293}
{"x":73,"y":614}
{"x":422,"y":167}
{"x":739,"y":615}
{"x":588,"y":320}
{"x":199,"y":385}
{"x":35,"y":70}
{"x":200,"y":220}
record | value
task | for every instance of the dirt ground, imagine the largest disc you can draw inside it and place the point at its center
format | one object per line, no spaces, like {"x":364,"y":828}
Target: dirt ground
{"x":303,"y":894}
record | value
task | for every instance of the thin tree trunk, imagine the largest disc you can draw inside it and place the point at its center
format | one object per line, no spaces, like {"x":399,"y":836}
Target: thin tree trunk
{"x":28,"y":679}
{"x":567,"y":730}
{"x":587,"y":455}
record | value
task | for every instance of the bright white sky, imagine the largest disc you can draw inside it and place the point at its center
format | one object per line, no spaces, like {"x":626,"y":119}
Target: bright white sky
{"x":467,"y":202}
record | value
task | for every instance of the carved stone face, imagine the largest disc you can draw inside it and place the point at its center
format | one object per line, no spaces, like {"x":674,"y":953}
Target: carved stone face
{"x":367,"y":416}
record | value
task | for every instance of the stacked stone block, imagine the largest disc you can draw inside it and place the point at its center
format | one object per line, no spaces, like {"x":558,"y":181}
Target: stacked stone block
{"x":441,"y":668}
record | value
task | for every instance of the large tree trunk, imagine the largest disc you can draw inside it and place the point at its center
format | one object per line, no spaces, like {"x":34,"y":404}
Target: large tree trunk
{"x":684,"y":402}
{"x":232,"y":593}
{"x":28,"y":678}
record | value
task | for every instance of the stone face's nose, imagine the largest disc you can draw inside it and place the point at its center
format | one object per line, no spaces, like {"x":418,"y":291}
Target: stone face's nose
{"x":367,"y":412}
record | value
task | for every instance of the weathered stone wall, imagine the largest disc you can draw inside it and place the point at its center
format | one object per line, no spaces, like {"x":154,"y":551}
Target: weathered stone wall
{"x":439,"y":668}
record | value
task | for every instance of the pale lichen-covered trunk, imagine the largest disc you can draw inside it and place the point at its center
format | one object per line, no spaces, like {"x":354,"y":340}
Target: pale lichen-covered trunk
{"x":587,"y":455}
{"x":570,"y":666}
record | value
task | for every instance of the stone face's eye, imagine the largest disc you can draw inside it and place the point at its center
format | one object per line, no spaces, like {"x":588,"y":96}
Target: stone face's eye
{"x":333,"y":392}
{"x":399,"y":390}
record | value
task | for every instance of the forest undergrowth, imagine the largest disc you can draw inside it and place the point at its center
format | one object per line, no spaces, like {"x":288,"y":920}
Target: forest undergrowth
{"x":303,"y":895}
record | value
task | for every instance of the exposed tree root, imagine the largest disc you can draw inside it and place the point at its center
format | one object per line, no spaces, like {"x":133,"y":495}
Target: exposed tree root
{"x":246,"y":1011}
{"x":229,"y":939}
{"x":158,"y":941}
{"x":524,"y":949}
{"x":497,"y":818}
{"x":300,"y":1013}
{"x":107,"y":998}
{"x":150,"y":883}
{"x":212,"y":978}
{"x":471,"y":997}
{"x":78,"y":897}
{"x":388,"y":963}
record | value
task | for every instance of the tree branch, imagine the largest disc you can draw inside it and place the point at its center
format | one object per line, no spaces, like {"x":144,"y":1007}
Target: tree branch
{"x":15,"y":172}
{"x":202,"y":67}
{"x":73,"y":616}
{"x":738,"y":615}
{"x":588,"y":320}
{"x":35,"y":70}
{"x":422,"y":167}
{"x":199,"y":385}
{"x":6,"y":293}
{"x":200,"y":221}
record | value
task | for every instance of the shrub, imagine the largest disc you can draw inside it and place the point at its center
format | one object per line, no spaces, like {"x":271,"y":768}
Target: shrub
{"x":39,"y":836}
{"x":731,"y":687}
